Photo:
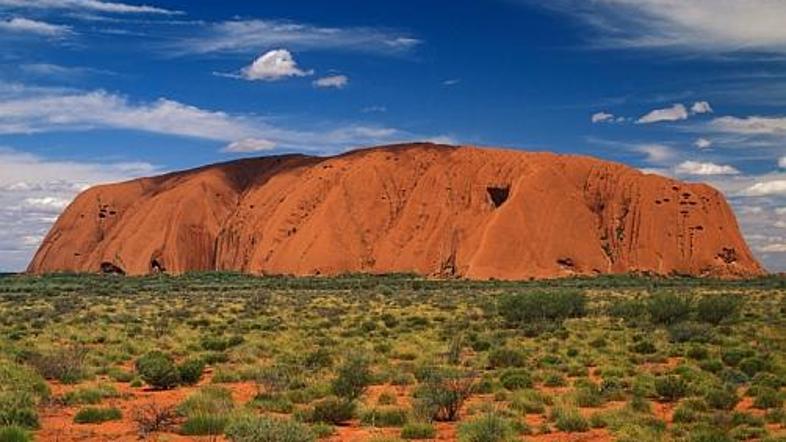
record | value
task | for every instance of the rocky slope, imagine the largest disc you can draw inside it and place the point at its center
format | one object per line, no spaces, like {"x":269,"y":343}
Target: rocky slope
{"x":432,"y":209}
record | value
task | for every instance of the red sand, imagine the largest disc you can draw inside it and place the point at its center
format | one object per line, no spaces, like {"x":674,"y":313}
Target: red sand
{"x":421,"y":208}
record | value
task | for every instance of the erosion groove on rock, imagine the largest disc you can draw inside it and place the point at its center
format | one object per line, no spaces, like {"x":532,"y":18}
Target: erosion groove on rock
{"x":431,"y":209}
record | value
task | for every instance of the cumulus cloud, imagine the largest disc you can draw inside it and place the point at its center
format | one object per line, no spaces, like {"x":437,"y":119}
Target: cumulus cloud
{"x":773,"y":248}
{"x":332,"y":81}
{"x":88,"y":5}
{"x":699,"y":168}
{"x":782,"y":162}
{"x":249,"y":145}
{"x":245,"y":36}
{"x":694,"y":26}
{"x":272,"y":66}
{"x":764,"y":188}
{"x":754,"y":125}
{"x":27,"y":26}
{"x":701,"y":107}
{"x":675,"y":113}
{"x":703,"y":143}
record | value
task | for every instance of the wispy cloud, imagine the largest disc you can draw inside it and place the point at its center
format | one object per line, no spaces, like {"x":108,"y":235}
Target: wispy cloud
{"x":35,"y":110}
{"x":88,"y":5}
{"x":35,"y":27}
{"x":332,"y":81}
{"x":704,"y":168}
{"x":695,"y":26}
{"x":252,"y":36}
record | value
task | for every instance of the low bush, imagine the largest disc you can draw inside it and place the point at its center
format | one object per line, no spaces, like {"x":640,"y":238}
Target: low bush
{"x":418,"y":430}
{"x":158,"y":370}
{"x":204,"y":424}
{"x":384,"y":417}
{"x":13,"y":433}
{"x":523,"y":308}
{"x":354,"y":377}
{"x":488,"y":427}
{"x":190,"y":371}
{"x":568,"y":419}
{"x":715,"y":309}
{"x":529,"y":401}
{"x":670,"y":388}
{"x":267,"y":429}
{"x":66,"y":365}
{"x":721,"y":398}
{"x":669,"y":308}
{"x":330,"y":410}
{"x":689,"y":331}
{"x":441,"y":396}
{"x":767,"y":398}
{"x":94,"y":415}
{"x":89,"y":395}
{"x":506,"y":357}
{"x":515,"y":379}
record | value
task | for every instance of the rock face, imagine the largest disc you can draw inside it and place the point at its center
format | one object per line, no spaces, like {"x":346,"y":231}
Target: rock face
{"x":431,"y":209}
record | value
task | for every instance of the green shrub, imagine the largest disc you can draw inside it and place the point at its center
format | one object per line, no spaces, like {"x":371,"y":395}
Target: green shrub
{"x":669,"y":308}
{"x":568,"y":419}
{"x":721,"y":398}
{"x":529,"y":401}
{"x":386,"y":398}
{"x":18,"y":409}
{"x":204,"y":425}
{"x":418,"y":430}
{"x":207,"y":400}
{"x":14,"y":433}
{"x":527,"y":307}
{"x":767,"y":398}
{"x":266,"y":429}
{"x":66,"y":365}
{"x":714,"y":309}
{"x":90,"y":395}
{"x":588,"y":396}
{"x":753,"y":365}
{"x":644,"y":347}
{"x":384,"y":417}
{"x":441,"y":396}
{"x":733,"y":356}
{"x":506,"y":357}
{"x":354,"y":377}
{"x":489,"y":427}
{"x":689,"y":331}
{"x":190,"y":371}
{"x":671,"y":387}
{"x":158,"y":370}
{"x":331,"y":410}
{"x":219,"y":344}
{"x":94,"y":415}
{"x":515,"y":379}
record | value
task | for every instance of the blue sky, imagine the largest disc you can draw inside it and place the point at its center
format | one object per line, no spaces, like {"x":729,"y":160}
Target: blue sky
{"x":95,"y":91}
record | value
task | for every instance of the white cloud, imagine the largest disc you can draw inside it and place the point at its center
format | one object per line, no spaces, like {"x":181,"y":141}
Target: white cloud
{"x":87,"y":5}
{"x":333,"y":81}
{"x":765,"y":188}
{"x":753,"y":125}
{"x":27,"y":26}
{"x":50,"y":70}
{"x":249,"y":145}
{"x":244,"y":36}
{"x":782,"y":162}
{"x":602,"y":117}
{"x":699,"y":168}
{"x":34,"y":190}
{"x":694,"y":26}
{"x":701,"y":107}
{"x":674,"y":113}
{"x":703,"y":143}
{"x":25,"y":110}
{"x":274,"y":65}
{"x":773,"y":248}
{"x":451,"y":82}
{"x":656,"y":153}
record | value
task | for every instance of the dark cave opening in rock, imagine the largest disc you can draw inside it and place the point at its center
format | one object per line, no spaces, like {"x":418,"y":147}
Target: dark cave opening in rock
{"x":110,"y":269}
{"x":498,"y":195}
{"x":157,"y":266}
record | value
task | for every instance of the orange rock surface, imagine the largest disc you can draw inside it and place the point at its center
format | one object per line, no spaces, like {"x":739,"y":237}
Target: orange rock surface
{"x":431,"y":209}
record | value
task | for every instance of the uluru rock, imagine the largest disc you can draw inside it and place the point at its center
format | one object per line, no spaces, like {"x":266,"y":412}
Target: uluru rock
{"x":431,"y":209}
